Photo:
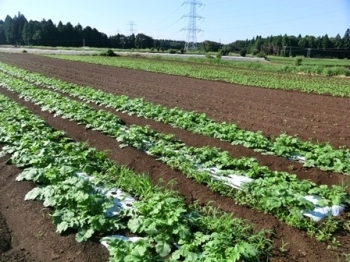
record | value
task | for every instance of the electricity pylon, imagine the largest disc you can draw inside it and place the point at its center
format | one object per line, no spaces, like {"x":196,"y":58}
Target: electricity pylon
{"x":192,"y":29}
{"x":131,"y":25}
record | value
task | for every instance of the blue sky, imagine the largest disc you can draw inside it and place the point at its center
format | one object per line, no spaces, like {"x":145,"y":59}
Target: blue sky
{"x":222,"y":20}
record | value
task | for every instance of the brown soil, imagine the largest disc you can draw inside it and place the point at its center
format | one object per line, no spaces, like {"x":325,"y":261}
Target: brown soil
{"x":310,"y":116}
{"x":218,"y":100}
{"x":26,"y":231}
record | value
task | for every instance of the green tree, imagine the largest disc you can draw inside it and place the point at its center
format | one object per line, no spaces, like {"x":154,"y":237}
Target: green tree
{"x":143,"y":41}
{"x":337,"y":41}
{"x":8,"y":29}
{"x":325,"y":42}
{"x":243,"y":52}
{"x":19,"y":22}
{"x":118,"y":41}
{"x":49,"y":33}
{"x":210,"y":46}
{"x":285,"y":40}
{"x":28,"y":32}
{"x":302,"y":42}
{"x":311,"y":41}
{"x":25,"y":34}
{"x":346,"y":39}
{"x":37,"y":37}
{"x":13,"y":28}
{"x":131,"y":41}
{"x":92,"y":38}
{"x":2,"y":33}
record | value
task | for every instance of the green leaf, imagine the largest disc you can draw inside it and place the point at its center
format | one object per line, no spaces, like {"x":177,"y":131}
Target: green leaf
{"x":84,"y":235}
{"x":163,"y":248}
{"x":139,"y":250}
{"x":151,"y":227}
{"x":50,"y":202}
{"x":33,"y":194}
{"x":26,"y":174}
{"x":2,"y":153}
{"x":61,"y":227}
{"x":273,"y":202}
{"x":134,"y":224}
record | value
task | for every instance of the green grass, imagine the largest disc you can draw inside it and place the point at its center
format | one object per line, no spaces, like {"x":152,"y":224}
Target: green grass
{"x":325,"y":67}
{"x":310,"y":61}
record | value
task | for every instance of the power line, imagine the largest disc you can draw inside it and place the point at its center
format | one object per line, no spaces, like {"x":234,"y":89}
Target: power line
{"x":275,"y":22}
{"x":192,"y":29}
{"x":238,"y":12}
{"x":166,"y":17}
{"x":167,"y":26}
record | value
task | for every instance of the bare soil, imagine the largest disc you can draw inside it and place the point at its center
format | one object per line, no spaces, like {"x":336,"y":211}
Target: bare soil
{"x":28,"y":232}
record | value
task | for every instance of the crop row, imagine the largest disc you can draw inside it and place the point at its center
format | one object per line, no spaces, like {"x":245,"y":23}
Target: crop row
{"x":166,"y":226}
{"x":259,"y":78}
{"x":323,"y":156}
{"x":278,"y":193}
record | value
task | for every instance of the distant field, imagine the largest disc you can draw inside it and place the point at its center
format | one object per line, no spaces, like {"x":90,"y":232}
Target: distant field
{"x":310,"y":61}
{"x":244,"y":73}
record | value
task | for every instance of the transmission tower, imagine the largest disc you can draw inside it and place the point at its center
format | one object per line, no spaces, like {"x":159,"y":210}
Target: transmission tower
{"x":131,"y":25}
{"x":192,"y":29}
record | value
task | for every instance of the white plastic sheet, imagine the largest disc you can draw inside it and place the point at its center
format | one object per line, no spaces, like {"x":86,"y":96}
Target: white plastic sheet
{"x":321,"y":212}
{"x":104,"y":240}
{"x":317,"y":214}
{"x":121,"y":199}
{"x":234,"y":181}
{"x":297,"y":158}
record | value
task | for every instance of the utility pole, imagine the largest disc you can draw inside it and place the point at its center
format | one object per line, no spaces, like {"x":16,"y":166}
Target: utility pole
{"x":192,"y":29}
{"x":131,"y":25}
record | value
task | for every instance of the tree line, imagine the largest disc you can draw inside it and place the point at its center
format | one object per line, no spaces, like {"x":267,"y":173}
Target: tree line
{"x":19,"y":31}
{"x":308,"y":46}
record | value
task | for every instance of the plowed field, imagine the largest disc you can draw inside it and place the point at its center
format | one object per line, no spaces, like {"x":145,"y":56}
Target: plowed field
{"x":26,"y":230}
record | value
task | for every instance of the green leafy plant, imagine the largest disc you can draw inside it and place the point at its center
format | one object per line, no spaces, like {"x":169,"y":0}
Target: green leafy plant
{"x":78,"y":203}
{"x":285,"y":201}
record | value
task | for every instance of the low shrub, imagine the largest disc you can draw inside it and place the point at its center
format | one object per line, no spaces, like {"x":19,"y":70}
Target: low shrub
{"x":224,"y":51}
{"x":335,"y":71}
{"x":285,"y":69}
{"x":298,"y":60}
{"x":108,"y":53}
{"x":261,"y":54}
{"x":243,"y":52}
{"x":255,"y":52}
{"x":208,"y":56}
